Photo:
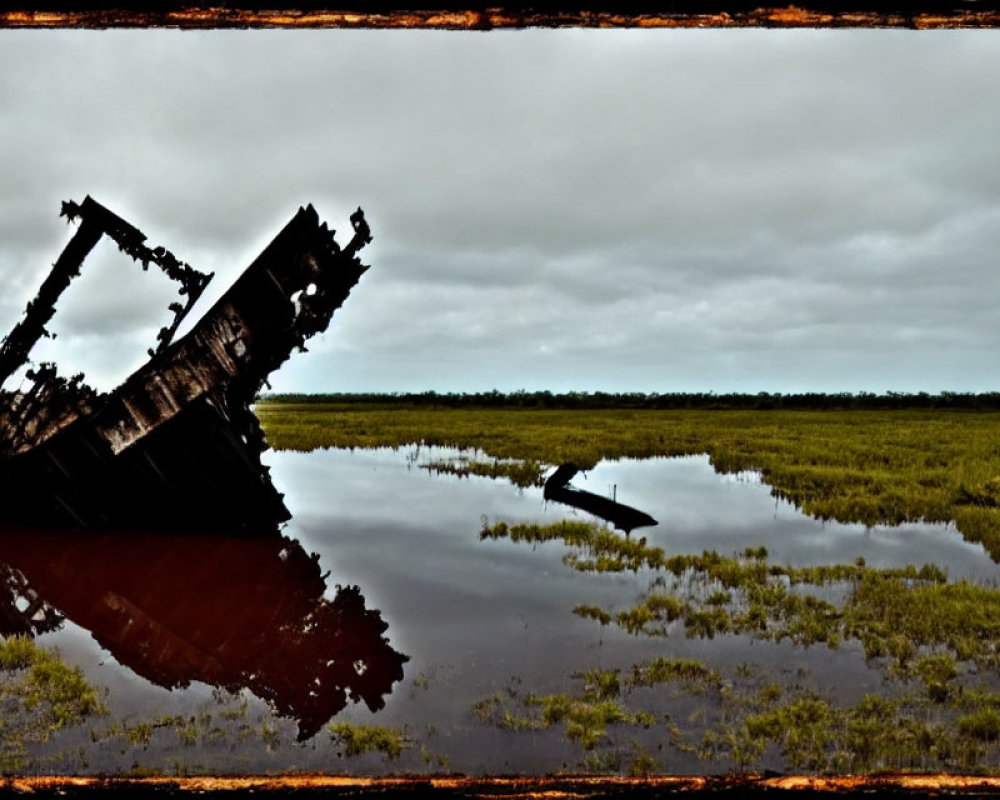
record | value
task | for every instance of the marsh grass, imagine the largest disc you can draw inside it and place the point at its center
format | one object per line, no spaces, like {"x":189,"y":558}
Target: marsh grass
{"x":524,"y":474}
{"x":878,"y":733}
{"x":359,"y":739}
{"x":585,"y":719}
{"x":899,"y":615}
{"x":605,"y":550}
{"x":692,"y":674}
{"x":930,"y":635}
{"x":230,"y":726}
{"x":752,"y":726}
{"x":39,"y":695}
{"x":872,"y":467}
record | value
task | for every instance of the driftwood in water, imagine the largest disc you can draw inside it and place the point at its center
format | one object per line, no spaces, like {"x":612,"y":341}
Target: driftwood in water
{"x":176,"y":444}
{"x":618,"y":514}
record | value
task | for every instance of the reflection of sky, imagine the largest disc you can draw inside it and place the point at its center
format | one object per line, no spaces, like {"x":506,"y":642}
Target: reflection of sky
{"x":701,"y":510}
{"x":477,"y":616}
{"x":697,"y":509}
{"x":478,"y":613}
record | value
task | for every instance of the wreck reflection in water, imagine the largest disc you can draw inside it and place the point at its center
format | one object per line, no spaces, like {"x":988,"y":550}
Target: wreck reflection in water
{"x":624,"y":517}
{"x":230,"y":611}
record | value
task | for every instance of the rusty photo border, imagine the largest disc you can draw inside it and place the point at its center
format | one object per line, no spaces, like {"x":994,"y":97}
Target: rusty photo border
{"x":914,"y":15}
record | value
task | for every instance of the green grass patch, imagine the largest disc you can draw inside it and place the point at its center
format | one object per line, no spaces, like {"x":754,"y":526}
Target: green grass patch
{"x":747,"y":725}
{"x":664,"y":669}
{"x":359,"y":739}
{"x":39,"y":695}
{"x":585,"y":721}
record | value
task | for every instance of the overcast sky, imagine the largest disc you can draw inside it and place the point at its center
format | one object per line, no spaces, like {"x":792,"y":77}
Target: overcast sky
{"x":567,"y":210}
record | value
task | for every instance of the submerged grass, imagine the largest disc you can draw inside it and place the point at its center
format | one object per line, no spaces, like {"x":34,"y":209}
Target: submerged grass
{"x":663,"y":669}
{"x":39,"y":695}
{"x":606,"y":551}
{"x":878,"y":733}
{"x":873,"y":467}
{"x":904,"y":616}
{"x":753,"y":726}
{"x":585,"y":719}
{"x":932,"y":636}
{"x":359,"y":739}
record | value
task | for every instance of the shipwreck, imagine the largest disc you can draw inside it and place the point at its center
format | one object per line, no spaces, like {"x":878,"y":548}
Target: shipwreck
{"x":176,"y":445}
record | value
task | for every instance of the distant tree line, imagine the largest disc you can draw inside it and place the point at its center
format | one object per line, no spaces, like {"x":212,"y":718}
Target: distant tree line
{"x":675,"y":400}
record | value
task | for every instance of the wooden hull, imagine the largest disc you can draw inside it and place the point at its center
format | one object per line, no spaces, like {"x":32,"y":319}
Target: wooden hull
{"x":192,"y":472}
{"x":177,"y":445}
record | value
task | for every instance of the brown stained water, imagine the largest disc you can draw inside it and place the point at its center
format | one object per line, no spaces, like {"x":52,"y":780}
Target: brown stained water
{"x":379,"y":605}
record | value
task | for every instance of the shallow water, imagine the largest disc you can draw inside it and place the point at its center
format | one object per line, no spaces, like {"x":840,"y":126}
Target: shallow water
{"x":257,"y":648}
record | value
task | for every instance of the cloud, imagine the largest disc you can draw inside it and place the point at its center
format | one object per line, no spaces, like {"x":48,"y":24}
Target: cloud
{"x":599,"y":209}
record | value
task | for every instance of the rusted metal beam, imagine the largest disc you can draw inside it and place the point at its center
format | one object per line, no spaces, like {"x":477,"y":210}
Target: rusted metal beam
{"x":917,"y":14}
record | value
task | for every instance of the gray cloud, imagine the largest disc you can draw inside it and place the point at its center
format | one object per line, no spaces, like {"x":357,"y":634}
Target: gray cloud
{"x":645,"y":210}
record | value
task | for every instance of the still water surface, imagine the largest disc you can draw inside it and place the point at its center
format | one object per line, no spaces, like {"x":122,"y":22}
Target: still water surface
{"x":379,"y":604}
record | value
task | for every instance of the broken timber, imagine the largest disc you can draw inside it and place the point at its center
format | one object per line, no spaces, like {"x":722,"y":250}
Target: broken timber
{"x":176,"y":445}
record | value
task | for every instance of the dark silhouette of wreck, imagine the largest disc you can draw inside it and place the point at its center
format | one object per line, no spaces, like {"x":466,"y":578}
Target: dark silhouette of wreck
{"x":624,"y":517}
{"x":174,"y":449}
{"x":228,"y":610}
{"x":176,"y":444}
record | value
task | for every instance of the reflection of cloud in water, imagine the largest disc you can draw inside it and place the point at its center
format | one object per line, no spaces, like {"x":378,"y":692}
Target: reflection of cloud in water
{"x":472,"y":613}
{"x":697,"y":508}
{"x":497,"y":609}
{"x":228,"y":611}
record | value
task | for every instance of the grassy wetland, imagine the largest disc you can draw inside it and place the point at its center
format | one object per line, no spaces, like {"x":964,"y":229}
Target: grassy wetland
{"x":930,"y":640}
{"x":854,"y":465}
{"x":751,"y":723}
{"x":489,"y":630}
{"x":935,"y":641}
{"x":40,"y":695}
